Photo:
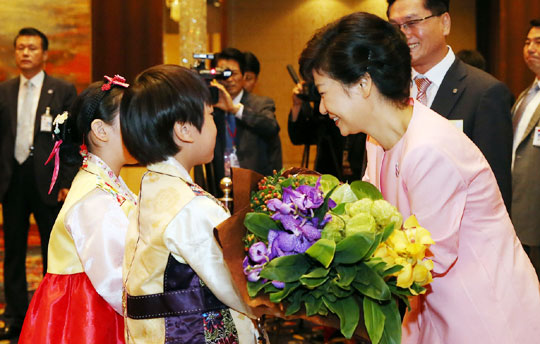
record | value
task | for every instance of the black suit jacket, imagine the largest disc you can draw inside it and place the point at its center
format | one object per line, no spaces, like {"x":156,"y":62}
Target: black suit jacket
{"x":56,"y":94}
{"x":484,"y":104}
{"x":257,"y":137}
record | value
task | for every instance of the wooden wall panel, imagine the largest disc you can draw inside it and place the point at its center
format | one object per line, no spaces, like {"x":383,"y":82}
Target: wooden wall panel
{"x":127,"y":37}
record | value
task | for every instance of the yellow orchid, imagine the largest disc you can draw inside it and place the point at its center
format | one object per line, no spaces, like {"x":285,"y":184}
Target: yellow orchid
{"x":407,"y":247}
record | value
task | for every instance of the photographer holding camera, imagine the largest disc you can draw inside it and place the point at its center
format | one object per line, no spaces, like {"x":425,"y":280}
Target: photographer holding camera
{"x":247,"y":128}
{"x":337,"y":155}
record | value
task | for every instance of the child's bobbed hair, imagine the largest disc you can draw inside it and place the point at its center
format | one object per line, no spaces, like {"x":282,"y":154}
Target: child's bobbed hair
{"x":161,"y":96}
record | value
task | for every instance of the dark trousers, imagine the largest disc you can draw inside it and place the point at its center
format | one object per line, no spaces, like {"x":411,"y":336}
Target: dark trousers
{"x":21,"y":200}
{"x":534,"y":255}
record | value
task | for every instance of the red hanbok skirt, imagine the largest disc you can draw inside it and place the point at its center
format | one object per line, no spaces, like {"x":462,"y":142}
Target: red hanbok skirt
{"x":67,"y":309}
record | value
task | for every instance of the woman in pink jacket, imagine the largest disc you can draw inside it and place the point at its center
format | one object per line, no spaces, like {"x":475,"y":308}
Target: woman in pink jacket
{"x":484,"y":287}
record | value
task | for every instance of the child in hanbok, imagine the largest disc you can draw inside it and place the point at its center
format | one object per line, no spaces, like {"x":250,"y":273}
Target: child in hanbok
{"x":178,"y":287}
{"x":80,"y":297}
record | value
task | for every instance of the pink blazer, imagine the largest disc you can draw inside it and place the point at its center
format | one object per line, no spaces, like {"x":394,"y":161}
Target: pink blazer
{"x":484,"y":287}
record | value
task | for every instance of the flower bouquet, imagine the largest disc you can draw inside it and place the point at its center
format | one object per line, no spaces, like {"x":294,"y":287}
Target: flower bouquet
{"x":319,"y":248}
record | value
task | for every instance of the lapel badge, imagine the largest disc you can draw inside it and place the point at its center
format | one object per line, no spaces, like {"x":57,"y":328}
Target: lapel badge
{"x":50,"y":91}
{"x":454,"y":91}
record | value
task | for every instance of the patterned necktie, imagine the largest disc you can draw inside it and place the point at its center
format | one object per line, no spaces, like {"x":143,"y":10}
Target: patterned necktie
{"x":422,"y":84}
{"x":25,"y":125}
{"x":523,"y":105}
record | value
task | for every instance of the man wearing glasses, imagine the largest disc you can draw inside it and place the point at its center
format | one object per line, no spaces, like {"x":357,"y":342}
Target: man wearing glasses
{"x":476,"y":102}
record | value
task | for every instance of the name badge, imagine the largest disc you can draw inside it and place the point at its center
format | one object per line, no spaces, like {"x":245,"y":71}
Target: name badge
{"x":458,"y":123}
{"x":46,"y":123}
{"x":536,"y":138}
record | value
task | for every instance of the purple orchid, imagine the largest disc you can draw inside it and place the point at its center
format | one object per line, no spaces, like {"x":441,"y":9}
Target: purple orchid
{"x":258,"y":252}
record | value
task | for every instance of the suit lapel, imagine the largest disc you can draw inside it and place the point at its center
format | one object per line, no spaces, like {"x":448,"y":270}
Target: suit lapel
{"x":534,"y":119}
{"x":450,"y":90}
{"x":13,"y":97}
{"x":45,"y":97}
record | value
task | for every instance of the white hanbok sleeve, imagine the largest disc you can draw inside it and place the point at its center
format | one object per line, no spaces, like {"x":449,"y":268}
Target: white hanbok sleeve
{"x":190,"y":238}
{"x":98,"y":226}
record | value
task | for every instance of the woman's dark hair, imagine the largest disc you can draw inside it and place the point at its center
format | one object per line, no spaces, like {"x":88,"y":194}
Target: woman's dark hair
{"x":161,"y":96}
{"x":357,"y":44}
{"x":93,"y":103}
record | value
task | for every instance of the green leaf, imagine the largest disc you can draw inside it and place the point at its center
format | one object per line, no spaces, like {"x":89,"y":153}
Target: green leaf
{"x":295,"y":302}
{"x":339,"y":209}
{"x":376,"y":264}
{"x":392,"y":270}
{"x":374,"y":319}
{"x":375,"y":244}
{"x":254,"y":287}
{"x":312,"y":305}
{"x":348,"y":312}
{"x":316,"y":273}
{"x":344,"y":194}
{"x":338,"y":291}
{"x":369,"y":283}
{"x":363,"y":189}
{"x":322,"y":251}
{"x":346,"y":275}
{"x":260,"y":224}
{"x":387,"y":231}
{"x":286,"y":268}
{"x":283,"y":293}
{"x":321,"y":212}
{"x":328,"y":182}
{"x":392,"y":325}
{"x":353,"y":248}
{"x":312,"y":283}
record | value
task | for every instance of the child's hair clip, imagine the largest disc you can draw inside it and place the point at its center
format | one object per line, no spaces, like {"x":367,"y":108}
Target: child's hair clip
{"x":117,"y":80}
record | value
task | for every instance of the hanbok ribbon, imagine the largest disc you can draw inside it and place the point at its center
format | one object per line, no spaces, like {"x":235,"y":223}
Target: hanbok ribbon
{"x":56,"y":153}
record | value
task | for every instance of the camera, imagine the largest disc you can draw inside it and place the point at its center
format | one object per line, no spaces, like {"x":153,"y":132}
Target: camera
{"x":210,"y":74}
{"x":309,"y":91}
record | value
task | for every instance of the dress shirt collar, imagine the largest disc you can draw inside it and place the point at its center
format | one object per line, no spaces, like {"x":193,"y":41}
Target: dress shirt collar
{"x":436,"y":73}
{"x":238,"y":97}
{"x":37,"y":80}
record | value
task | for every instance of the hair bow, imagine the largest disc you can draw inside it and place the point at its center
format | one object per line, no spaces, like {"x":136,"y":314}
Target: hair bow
{"x":117,"y":80}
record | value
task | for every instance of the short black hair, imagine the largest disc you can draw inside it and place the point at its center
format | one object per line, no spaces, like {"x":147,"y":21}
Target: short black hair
{"x":357,"y":44}
{"x":231,"y":54}
{"x":92,"y":103}
{"x":30,"y":31}
{"x":473,"y":58}
{"x":535,"y":23}
{"x":252,"y":63}
{"x":161,"y":96}
{"x":436,"y":7}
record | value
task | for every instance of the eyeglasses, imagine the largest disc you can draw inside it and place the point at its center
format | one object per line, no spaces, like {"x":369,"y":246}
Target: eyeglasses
{"x":411,"y":24}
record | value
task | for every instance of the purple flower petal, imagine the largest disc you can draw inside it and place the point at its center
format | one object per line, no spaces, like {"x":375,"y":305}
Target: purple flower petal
{"x":258,"y":252}
{"x":278,"y":284}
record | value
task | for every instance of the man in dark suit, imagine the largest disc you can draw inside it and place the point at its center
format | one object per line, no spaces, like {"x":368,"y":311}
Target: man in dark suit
{"x":247,"y":128}
{"x":477,"y":103}
{"x":526,"y":157}
{"x":28,"y":105}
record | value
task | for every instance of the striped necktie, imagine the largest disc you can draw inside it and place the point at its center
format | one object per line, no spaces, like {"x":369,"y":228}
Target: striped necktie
{"x":422,"y":84}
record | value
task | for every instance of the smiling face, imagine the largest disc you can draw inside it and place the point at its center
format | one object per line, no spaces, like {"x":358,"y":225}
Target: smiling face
{"x":29,"y":55}
{"x":426,"y":38}
{"x":343,"y":104}
{"x":531,"y":51}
